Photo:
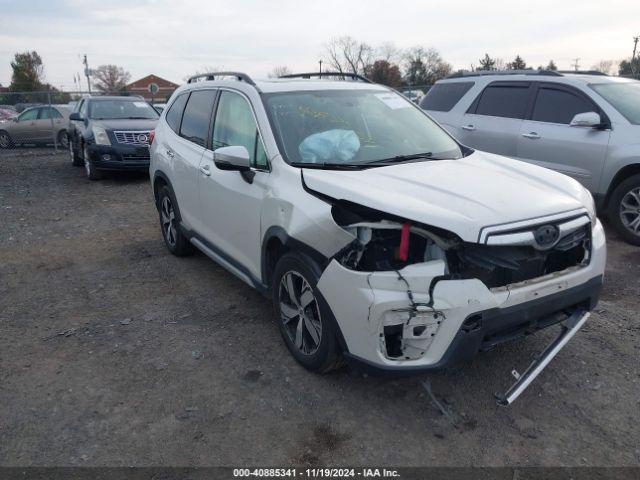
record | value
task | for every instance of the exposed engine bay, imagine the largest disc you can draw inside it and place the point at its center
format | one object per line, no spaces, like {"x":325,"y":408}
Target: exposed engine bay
{"x":384,"y":243}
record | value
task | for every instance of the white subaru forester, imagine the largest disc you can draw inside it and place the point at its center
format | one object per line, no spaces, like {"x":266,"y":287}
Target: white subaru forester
{"x":381,"y":240}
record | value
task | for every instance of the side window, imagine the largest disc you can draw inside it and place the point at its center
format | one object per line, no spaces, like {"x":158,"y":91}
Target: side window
{"x":174,"y":115}
{"x":558,"y":106}
{"x":83,"y":108}
{"x":503,"y":101}
{"x":235,"y":125}
{"x":443,"y":96}
{"x":197,"y":115}
{"x":29,"y":115}
{"x":47,"y":113}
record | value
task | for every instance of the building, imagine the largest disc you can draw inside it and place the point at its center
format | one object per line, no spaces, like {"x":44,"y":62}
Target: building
{"x":152,"y":83}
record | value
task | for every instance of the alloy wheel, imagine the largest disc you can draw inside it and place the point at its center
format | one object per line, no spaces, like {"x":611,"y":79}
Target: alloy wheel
{"x":63,"y":140}
{"x":630,"y":211}
{"x":300,"y":313}
{"x":168,"y":217}
{"x":87,"y":164}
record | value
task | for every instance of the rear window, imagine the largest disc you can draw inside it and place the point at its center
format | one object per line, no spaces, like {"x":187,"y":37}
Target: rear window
{"x":442,"y":97}
{"x":197,"y":116}
{"x":508,"y":101}
{"x":558,"y":106}
{"x":174,"y":115}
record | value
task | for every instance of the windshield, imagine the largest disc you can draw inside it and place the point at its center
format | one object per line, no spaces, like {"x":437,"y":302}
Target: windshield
{"x":354,"y":127}
{"x":118,"y":109}
{"x":625,"y":97}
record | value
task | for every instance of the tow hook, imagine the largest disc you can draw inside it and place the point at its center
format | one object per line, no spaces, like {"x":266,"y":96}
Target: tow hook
{"x":569,"y":328}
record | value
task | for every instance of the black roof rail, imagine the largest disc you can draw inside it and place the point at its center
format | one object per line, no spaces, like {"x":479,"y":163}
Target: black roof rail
{"x":353,"y":76}
{"x":584,"y":72}
{"x":243,"y":77}
{"x":481,"y":73}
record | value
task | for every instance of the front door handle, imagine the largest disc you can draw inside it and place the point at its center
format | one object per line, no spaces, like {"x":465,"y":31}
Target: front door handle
{"x":205,"y":170}
{"x":531,"y":135}
{"x":469,"y":128}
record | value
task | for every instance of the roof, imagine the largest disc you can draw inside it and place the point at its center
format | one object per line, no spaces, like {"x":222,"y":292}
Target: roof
{"x":115,"y":97}
{"x":143,"y":82}
{"x":541,"y":76}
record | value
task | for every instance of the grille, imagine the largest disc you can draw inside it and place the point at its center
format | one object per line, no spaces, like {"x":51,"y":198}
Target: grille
{"x":135,"y":157}
{"x":140,"y":137}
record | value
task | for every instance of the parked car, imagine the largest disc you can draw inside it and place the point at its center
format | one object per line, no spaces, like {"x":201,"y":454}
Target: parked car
{"x":414,"y":95}
{"x":585,"y":125}
{"x":36,"y":125}
{"x":111,"y":134}
{"x":379,"y":237}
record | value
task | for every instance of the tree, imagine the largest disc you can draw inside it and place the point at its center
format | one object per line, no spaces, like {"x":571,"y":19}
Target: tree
{"x":389,"y":52}
{"x":346,"y":54}
{"x":279,"y":71}
{"x":385,"y":73}
{"x":487,"y":63}
{"x":28,"y":72}
{"x":603,"y":66}
{"x":518,"y":64}
{"x":551,"y":66}
{"x":424,"y":66}
{"x":110,"y":79}
{"x":626,"y":67}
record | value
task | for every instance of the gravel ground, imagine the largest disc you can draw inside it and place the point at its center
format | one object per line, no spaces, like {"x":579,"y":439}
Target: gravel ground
{"x":113,"y":352}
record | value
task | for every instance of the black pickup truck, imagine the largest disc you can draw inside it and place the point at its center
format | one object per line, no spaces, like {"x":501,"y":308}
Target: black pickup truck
{"x":111,"y":133}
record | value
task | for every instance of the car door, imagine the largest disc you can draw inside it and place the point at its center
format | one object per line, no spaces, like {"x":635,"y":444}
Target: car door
{"x":47,"y":118}
{"x":230,"y":202}
{"x":493,"y":121}
{"x":190,"y":117}
{"x":25,"y":129}
{"x":548,"y":140}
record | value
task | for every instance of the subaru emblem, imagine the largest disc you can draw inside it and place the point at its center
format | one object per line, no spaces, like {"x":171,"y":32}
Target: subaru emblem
{"x":546,"y":236}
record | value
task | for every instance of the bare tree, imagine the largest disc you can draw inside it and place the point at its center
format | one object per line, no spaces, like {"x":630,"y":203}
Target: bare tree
{"x":389,"y":52}
{"x":110,"y":78}
{"x":603,"y":66}
{"x":279,"y":71}
{"x":346,"y":54}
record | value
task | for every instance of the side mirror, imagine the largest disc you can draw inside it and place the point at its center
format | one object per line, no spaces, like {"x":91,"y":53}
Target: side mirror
{"x":75,"y":116}
{"x":232,"y":158}
{"x":586,"y":119}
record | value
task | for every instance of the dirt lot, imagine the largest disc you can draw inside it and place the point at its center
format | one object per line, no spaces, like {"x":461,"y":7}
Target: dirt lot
{"x":114,"y":352}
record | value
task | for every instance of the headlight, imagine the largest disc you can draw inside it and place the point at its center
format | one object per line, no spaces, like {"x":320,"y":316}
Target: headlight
{"x":100,"y":135}
{"x":590,"y":204}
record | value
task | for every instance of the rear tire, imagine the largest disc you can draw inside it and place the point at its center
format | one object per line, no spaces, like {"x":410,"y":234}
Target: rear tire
{"x":89,"y":167}
{"x":306,"y":322}
{"x":169,"y":214}
{"x":624,"y":210}
{"x":63,"y":139}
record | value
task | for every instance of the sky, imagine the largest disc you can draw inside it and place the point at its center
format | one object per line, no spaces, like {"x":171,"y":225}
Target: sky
{"x":173,"y":38}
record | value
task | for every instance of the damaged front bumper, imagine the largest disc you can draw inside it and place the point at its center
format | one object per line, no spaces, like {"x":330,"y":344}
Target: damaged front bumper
{"x":392,"y":323}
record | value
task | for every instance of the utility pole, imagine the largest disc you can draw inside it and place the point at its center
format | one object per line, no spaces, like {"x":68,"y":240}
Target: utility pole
{"x":633,"y":57}
{"x":576,"y":63}
{"x":320,"y":62}
{"x":87,"y":72}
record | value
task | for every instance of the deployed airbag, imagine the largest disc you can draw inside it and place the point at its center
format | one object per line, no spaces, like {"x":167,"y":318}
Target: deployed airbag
{"x":330,"y":146}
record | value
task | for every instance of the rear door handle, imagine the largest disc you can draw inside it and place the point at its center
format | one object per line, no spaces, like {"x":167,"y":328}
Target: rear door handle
{"x":531,"y":135}
{"x":205,"y":170}
{"x":170,"y":153}
{"x":469,"y":128}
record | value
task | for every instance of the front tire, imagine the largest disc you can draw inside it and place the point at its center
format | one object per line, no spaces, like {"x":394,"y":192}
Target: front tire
{"x":89,"y":167}
{"x":306,"y":322}
{"x":5,"y":140}
{"x":63,"y":139}
{"x":76,"y":161}
{"x":174,"y":239}
{"x":624,"y":209}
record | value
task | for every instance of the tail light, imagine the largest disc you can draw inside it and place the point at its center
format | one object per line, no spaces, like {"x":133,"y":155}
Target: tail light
{"x":152,"y":135}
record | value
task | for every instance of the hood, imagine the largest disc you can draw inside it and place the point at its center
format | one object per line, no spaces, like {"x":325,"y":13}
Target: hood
{"x":461,"y":196}
{"x":126,"y":124}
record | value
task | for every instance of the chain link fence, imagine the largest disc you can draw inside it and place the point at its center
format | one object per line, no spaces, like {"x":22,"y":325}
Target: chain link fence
{"x":35,"y":122}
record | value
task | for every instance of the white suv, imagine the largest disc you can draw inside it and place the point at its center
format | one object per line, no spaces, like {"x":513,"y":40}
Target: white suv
{"x":380,"y":239}
{"x":585,"y":125}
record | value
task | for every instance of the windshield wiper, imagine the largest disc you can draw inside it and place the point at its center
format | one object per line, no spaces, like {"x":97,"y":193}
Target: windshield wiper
{"x":405,"y":158}
{"x":329,"y":166}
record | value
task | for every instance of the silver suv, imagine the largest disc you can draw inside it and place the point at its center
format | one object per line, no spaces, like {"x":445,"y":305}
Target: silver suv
{"x":585,"y":125}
